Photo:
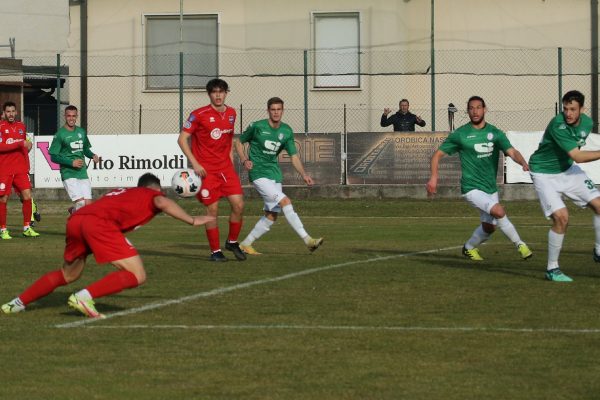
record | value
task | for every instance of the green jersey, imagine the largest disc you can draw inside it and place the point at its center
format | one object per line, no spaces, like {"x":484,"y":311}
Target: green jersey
{"x":552,"y":155}
{"x":68,"y":146}
{"x":265,"y":145}
{"x":479,"y":151}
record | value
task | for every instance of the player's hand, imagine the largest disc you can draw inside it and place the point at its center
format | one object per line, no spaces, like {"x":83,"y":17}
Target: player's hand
{"x":525,"y":167}
{"x":78,"y":163}
{"x":418,"y":119}
{"x":202,"y":220}
{"x":27,"y":144}
{"x":248,"y":164}
{"x":386,"y":111}
{"x":308,"y":180}
{"x":431,"y":187}
{"x":199,"y":170}
{"x":96,"y":158}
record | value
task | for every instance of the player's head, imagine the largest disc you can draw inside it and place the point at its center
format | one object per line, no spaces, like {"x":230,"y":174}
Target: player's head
{"x":572,"y":106}
{"x":217,"y":91}
{"x":149,"y":180}
{"x":476,"y":109}
{"x":403,"y":106}
{"x":10,"y":111}
{"x":275,"y":109}
{"x":70,"y":116}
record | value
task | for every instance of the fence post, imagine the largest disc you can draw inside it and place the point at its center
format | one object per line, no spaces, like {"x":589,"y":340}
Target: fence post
{"x":432,"y":65}
{"x":57,"y":92}
{"x":180,"y":90}
{"x":305,"y":91}
{"x":560,"y":75}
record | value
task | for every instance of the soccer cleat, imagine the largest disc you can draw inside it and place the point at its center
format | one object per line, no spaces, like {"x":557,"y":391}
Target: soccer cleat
{"x":249,"y":250}
{"x":472,"y":254}
{"x":29,"y":232}
{"x":86,"y":307}
{"x":12,"y":307}
{"x":314,"y":244}
{"x":524,"y":251}
{"x":4,"y":235}
{"x":218,"y":256}
{"x":556,"y":275}
{"x":235,"y":248}
{"x":595,"y":256}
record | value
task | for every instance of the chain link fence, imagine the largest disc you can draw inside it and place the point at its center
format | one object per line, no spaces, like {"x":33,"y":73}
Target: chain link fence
{"x":521,"y":87}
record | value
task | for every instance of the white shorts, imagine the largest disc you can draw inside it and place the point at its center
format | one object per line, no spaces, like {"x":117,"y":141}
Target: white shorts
{"x":573,"y":183}
{"x":78,"y":188}
{"x":483,"y":202}
{"x":271,"y":193}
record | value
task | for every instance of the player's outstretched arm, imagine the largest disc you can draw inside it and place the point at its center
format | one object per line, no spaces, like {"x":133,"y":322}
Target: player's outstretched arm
{"x":518,"y":158}
{"x":583,"y":156}
{"x":435,"y":165}
{"x":171,"y":208}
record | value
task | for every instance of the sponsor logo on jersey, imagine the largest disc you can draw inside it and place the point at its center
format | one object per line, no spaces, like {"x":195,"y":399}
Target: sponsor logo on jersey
{"x":20,"y":131}
{"x":2,"y":186}
{"x":582,"y":134}
{"x":271,"y":147}
{"x":484,"y":149}
{"x":0,"y":139}
{"x":562,"y":126}
{"x":217,"y":133}
{"x":231,"y":119}
{"x":280,"y":136}
{"x":490,"y":136}
{"x":211,"y":119}
{"x":205,"y":193}
{"x":79,"y":135}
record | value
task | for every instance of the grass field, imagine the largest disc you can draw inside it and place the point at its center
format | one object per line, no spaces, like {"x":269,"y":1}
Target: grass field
{"x":386,"y":309}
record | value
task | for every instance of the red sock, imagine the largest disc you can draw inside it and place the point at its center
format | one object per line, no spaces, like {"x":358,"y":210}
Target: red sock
{"x":43,"y":286}
{"x":212,"y":235}
{"x":234,"y":230}
{"x":112,"y":283}
{"x":27,"y":207}
{"x":2,"y":214}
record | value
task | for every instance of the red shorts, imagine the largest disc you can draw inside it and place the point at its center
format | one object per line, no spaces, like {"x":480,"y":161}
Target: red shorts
{"x":219,"y":184}
{"x":19,"y":181}
{"x":88,"y":234}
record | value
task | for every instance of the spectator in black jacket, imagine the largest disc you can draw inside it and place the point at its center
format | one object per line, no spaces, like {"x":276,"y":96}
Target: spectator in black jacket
{"x":403,"y":120}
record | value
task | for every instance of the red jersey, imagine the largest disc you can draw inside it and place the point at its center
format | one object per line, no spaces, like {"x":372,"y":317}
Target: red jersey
{"x":212,"y":137}
{"x":127,"y":208}
{"x":13,"y":154}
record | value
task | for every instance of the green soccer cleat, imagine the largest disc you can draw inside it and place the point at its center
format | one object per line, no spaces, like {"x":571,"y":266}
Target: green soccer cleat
{"x":472,"y":254}
{"x":524,"y":251}
{"x":556,"y":275}
{"x":35,"y":212}
{"x":314,"y":244}
{"x":249,"y":250}
{"x":12,"y":307}
{"x":86,"y":307}
{"x":4,"y":235}
{"x":29,"y":232}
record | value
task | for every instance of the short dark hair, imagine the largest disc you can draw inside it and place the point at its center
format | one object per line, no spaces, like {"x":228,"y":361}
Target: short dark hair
{"x":70,"y":107}
{"x":148,"y":179}
{"x":274,"y":100}
{"x":8,"y":104}
{"x":403,"y":100}
{"x":475,"y":98}
{"x":574,"y":95}
{"x":216,"y":83}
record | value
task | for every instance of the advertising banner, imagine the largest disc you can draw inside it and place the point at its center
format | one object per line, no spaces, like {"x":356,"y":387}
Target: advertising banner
{"x":398,"y":158}
{"x":124,"y":159}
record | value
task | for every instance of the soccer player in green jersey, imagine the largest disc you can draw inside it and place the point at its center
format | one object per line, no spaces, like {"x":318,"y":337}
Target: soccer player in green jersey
{"x":554,"y":175}
{"x":268,"y":138}
{"x":69,"y":148}
{"x":478,"y":145}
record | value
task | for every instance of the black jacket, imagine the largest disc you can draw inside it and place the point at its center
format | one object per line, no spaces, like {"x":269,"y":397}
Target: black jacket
{"x":402,"y":122}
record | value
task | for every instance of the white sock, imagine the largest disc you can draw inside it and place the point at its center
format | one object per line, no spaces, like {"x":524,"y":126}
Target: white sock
{"x":509,"y":230}
{"x":479,"y":236}
{"x":83,"y":294}
{"x":262,"y":226}
{"x":555,"y":241}
{"x":294,"y":220}
{"x":597,"y":230}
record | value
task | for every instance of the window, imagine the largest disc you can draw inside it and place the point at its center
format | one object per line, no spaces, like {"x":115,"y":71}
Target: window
{"x":200,"y":50}
{"x":337,"y":50}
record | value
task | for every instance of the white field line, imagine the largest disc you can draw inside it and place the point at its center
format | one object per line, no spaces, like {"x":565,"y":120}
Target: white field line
{"x":450,"y":329}
{"x":214,"y":292}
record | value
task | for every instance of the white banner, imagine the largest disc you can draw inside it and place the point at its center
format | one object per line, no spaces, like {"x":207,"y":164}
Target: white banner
{"x":124,"y":159}
{"x":527,"y":143}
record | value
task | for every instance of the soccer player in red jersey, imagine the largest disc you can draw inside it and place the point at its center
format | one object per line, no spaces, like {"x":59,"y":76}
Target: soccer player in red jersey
{"x":14,"y":168}
{"x":209,"y":151}
{"x":99,"y":229}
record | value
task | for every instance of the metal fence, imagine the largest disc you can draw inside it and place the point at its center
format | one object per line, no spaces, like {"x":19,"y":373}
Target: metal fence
{"x":522,"y":88}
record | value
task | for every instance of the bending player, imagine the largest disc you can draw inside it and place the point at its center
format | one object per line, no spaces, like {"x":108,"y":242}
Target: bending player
{"x":99,"y":229}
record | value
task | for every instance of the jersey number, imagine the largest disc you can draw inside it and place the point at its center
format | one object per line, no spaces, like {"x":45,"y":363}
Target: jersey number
{"x":590,"y":185}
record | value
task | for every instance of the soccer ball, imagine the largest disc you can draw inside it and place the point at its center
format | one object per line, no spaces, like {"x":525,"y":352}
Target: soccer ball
{"x":186,"y":183}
